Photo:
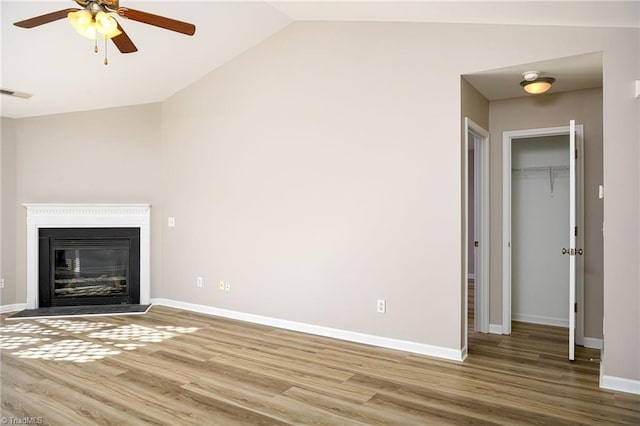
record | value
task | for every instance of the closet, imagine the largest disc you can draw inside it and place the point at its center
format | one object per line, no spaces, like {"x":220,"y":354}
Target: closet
{"x":540,"y":220}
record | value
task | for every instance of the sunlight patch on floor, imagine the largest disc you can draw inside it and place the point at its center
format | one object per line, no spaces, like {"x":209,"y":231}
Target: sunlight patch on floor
{"x":74,"y":326}
{"x":68,"y":350}
{"x":26,"y":328}
{"x":15,"y":342}
{"x":91,"y":341}
{"x":133,"y":333}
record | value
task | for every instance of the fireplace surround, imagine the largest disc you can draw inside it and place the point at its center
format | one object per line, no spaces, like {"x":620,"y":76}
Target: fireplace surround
{"x":84,"y":218}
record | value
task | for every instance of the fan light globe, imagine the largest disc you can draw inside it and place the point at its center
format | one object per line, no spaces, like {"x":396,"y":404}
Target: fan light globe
{"x":106,"y":25}
{"x":83,"y":23}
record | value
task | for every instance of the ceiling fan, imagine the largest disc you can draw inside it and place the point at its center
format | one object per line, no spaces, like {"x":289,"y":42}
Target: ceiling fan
{"x":94,"y":20}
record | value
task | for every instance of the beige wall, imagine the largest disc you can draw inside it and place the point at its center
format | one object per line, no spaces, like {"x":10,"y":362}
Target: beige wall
{"x":106,"y":156}
{"x":621,"y":210}
{"x":321,"y":170}
{"x":313,"y":187}
{"x":585,"y":106}
{"x":475,"y":107}
{"x":325,"y":173}
{"x":7,"y":211}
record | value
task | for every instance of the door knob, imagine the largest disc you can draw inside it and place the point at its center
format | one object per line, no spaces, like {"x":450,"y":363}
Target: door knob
{"x":572,"y":252}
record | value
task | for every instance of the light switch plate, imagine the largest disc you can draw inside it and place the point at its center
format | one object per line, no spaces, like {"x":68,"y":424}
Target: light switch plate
{"x":171,"y":222}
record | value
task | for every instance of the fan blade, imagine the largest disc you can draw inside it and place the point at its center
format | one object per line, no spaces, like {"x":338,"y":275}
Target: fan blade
{"x":158,"y":21}
{"x":44,"y":19}
{"x":123,"y":42}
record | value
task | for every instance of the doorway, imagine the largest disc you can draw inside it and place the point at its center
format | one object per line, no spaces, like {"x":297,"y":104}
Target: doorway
{"x":536,"y":228}
{"x":478,"y":255}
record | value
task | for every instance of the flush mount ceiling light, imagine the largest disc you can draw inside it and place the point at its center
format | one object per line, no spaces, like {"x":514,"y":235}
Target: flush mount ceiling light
{"x":534,"y":84}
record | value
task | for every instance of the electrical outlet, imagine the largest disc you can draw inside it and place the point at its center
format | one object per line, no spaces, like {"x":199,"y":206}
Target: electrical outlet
{"x":221,"y":285}
{"x":199,"y":281}
{"x":1,"y":283}
{"x":381,"y":306}
{"x":227,"y":286}
{"x":171,"y":222}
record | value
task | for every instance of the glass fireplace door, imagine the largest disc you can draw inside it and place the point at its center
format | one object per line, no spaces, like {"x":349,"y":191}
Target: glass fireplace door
{"x":84,"y":270}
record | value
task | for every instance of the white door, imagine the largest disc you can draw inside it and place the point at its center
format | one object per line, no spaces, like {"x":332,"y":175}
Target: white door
{"x":573,"y":231}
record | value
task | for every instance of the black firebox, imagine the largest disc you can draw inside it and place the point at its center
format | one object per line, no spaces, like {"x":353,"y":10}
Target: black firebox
{"x":88,"y":266}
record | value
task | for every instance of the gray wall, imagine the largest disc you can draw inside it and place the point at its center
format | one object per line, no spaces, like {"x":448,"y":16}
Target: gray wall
{"x":585,"y":106}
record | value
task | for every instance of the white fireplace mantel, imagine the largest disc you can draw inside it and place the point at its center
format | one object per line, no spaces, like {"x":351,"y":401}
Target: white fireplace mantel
{"x":87,"y":216}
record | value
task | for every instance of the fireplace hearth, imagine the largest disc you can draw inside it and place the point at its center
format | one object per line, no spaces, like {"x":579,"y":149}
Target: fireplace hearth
{"x":88,"y":266}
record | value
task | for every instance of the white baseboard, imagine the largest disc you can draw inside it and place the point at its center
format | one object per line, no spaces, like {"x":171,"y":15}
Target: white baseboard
{"x":495,"y":328}
{"x":592,"y":342}
{"x":536,"y":319}
{"x":620,"y":384}
{"x":13,"y":308}
{"x":368,"y":339}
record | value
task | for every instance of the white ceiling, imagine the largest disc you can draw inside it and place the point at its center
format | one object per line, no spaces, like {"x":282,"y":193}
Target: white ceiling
{"x":61,"y":70}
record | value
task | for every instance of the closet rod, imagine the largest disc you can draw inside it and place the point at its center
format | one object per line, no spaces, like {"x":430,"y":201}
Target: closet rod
{"x":541,"y":169}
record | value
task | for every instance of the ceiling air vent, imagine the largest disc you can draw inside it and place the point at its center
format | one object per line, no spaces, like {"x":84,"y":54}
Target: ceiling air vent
{"x":15,"y":93}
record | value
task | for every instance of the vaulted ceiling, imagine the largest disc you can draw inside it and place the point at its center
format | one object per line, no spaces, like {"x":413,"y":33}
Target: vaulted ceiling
{"x":63,"y":73}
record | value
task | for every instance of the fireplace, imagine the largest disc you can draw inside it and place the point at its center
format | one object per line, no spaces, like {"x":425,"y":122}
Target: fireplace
{"x":88,"y":266}
{"x":91,"y":254}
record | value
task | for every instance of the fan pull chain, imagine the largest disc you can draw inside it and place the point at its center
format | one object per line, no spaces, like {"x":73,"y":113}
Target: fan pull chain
{"x":95,"y":45}
{"x":106,"y":61}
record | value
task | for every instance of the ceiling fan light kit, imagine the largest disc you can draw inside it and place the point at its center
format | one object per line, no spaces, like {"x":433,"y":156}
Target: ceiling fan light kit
{"x":534,"y":84}
{"x":94,"y":20}
{"x":90,"y":26}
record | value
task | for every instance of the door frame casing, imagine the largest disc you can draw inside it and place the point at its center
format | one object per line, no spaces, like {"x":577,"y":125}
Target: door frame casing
{"x":481,"y":220}
{"x":507,"y":138}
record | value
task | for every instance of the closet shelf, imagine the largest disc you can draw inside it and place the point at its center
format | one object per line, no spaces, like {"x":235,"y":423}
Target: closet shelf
{"x":545,"y":169}
{"x":551,"y":170}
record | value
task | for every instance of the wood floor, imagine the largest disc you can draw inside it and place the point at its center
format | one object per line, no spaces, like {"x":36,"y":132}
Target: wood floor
{"x":171,"y":367}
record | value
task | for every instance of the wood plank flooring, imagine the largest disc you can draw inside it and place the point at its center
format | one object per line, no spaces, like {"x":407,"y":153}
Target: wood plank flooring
{"x":172,"y":367}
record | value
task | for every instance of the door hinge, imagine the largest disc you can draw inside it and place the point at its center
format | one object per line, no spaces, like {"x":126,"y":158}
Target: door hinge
{"x":576,"y":154}
{"x":575,"y":307}
{"x":575,"y":231}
